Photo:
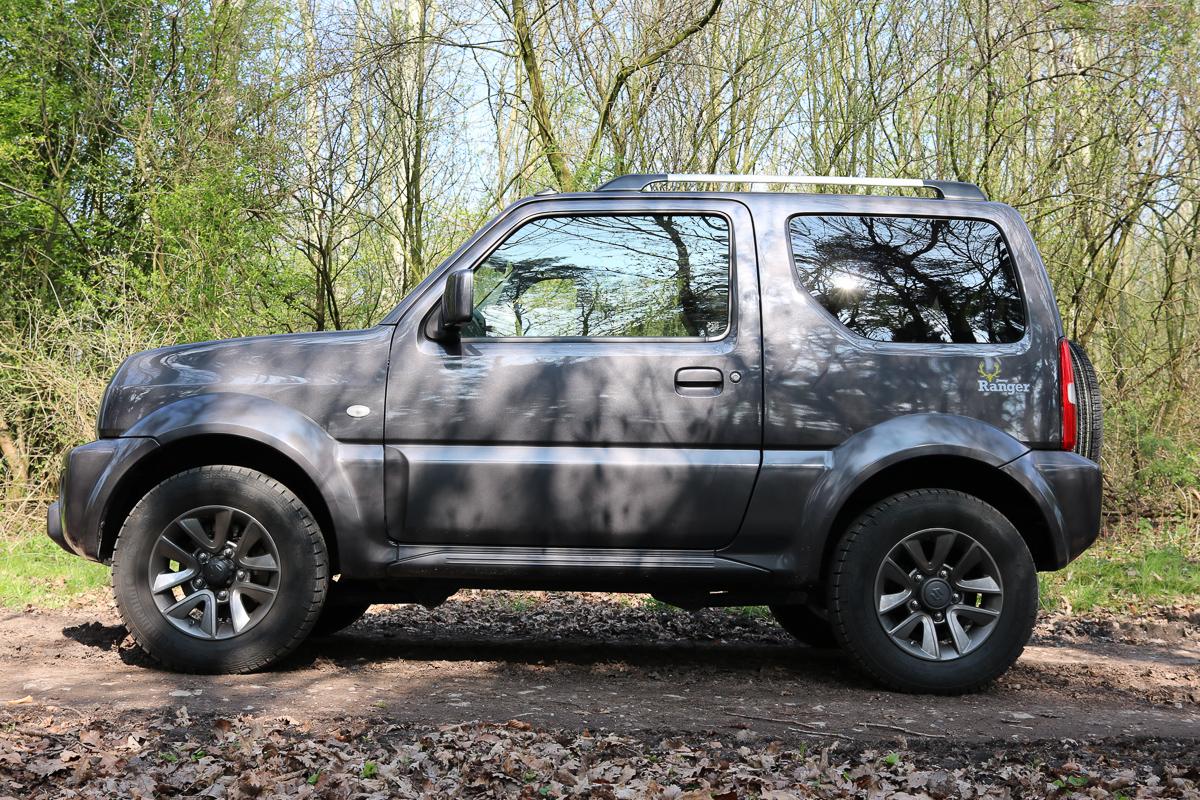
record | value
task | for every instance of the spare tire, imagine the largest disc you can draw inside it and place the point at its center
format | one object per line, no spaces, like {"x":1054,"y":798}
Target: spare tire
{"x":1089,"y":414}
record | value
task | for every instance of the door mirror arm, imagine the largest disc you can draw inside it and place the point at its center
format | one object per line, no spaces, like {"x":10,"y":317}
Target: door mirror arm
{"x":454,"y":310}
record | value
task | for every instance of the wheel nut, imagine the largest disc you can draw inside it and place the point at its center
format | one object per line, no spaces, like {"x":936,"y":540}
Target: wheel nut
{"x":942,"y":573}
{"x":914,"y":605}
{"x":937,"y":617}
{"x":957,"y":598}
{"x":199,"y":584}
{"x":241,"y":575}
{"x":222,"y":596}
{"x":204,"y":558}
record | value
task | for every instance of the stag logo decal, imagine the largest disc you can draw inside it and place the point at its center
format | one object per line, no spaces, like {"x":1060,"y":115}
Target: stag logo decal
{"x":990,"y":381}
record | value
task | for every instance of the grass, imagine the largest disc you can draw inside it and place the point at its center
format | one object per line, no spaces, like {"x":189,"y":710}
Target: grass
{"x":521,"y":601}
{"x":1129,"y":569}
{"x":35,"y":571}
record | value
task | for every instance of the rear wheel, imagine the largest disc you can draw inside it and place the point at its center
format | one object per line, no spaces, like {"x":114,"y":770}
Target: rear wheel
{"x":933,"y":591}
{"x":219,"y":569}
{"x":806,"y":624}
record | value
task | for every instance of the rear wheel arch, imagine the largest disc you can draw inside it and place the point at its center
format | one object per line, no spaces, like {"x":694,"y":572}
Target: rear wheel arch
{"x":210,"y":450}
{"x":960,"y":473}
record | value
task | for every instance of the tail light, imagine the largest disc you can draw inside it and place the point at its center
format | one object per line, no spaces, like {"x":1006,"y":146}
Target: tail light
{"x":1066,"y":374}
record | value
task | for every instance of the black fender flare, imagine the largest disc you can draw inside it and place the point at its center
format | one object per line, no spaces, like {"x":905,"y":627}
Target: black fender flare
{"x":349,"y":477}
{"x":791,"y":537}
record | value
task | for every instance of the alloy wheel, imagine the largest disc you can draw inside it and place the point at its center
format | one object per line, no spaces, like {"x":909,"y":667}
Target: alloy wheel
{"x":938,"y":594}
{"x":214,"y":572}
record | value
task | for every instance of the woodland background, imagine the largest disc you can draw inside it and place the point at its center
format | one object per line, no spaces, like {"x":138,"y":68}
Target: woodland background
{"x":174,"y":171}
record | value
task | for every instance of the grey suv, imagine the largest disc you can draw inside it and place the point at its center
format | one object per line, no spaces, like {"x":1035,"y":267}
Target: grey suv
{"x":858,"y":410}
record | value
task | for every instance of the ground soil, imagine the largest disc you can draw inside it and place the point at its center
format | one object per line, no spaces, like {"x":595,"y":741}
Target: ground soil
{"x":606,"y":663}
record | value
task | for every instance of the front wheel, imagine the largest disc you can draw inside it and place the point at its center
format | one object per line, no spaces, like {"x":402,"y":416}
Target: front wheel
{"x":933,"y":591}
{"x":220,"y":569}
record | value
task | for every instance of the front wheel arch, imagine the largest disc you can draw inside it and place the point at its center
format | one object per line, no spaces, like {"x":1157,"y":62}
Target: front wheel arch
{"x":209,"y":450}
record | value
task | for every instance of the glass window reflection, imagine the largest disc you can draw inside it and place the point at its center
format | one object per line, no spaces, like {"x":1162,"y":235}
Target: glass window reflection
{"x":911,"y":279}
{"x":606,"y":276}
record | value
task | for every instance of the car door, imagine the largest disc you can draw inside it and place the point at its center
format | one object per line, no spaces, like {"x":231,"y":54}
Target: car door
{"x":607,"y":392}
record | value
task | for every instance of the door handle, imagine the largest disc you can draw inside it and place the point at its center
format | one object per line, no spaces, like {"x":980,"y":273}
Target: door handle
{"x":699,"y":382}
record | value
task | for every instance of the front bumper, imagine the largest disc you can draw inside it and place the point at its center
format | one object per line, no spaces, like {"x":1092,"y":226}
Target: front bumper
{"x":1067,"y":487}
{"x":91,"y":476}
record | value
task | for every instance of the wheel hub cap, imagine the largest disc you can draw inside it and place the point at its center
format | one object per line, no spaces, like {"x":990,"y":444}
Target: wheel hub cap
{"x":936,"y":594}
{"x":219,"y":572}
{"x":214,"y":572}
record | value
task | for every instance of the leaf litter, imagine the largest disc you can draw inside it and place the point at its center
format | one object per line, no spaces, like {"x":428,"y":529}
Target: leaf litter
{"x":46,"y":754}
{"x":49,"y":750}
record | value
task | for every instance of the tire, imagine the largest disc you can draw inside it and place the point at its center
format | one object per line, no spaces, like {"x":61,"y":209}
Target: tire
{"x":1089,"y":415}
{"x":806,"y":624}
{"x":273,"y":566}
{"x":994,"y":613}
{"x":339,"y":612}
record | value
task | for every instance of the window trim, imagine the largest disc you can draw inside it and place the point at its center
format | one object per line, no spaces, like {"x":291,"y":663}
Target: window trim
{"x":731,"y":305}
{"x":856,"y":337}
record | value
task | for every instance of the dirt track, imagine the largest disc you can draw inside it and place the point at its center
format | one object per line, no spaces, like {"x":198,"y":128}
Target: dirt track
{"x":593,"y":662}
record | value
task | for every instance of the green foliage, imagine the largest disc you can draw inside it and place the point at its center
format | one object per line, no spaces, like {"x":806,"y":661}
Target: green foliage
{"x":1074,"y":781}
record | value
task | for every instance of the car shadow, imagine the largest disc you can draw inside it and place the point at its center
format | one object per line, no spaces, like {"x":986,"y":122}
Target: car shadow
{"x":113,"y":639}
{"x":352,"y":648}
{"x":95,"y":634}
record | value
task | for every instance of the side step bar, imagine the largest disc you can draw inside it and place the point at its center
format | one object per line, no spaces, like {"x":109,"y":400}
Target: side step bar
{"x":548,"y":565}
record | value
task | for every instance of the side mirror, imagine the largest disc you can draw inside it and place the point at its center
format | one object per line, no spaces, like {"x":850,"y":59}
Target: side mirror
{"x":458,"y":301}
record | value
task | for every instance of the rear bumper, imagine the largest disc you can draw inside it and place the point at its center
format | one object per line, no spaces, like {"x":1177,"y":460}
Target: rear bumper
{"x":1067,"y":487}
{"x":90,"y":478}
{"x":54,"y":528}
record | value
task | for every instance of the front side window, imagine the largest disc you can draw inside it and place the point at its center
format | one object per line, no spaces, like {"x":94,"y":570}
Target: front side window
{"x":911,"y":279}
{"x":653,"y":275}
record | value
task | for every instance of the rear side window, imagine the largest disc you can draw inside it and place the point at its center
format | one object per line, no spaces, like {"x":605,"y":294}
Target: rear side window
{"x":655,"y":275}
{"x":911,"y":279}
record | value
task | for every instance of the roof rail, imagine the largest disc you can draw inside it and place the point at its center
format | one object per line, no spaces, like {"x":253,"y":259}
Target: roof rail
{"x":947,"y":190}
